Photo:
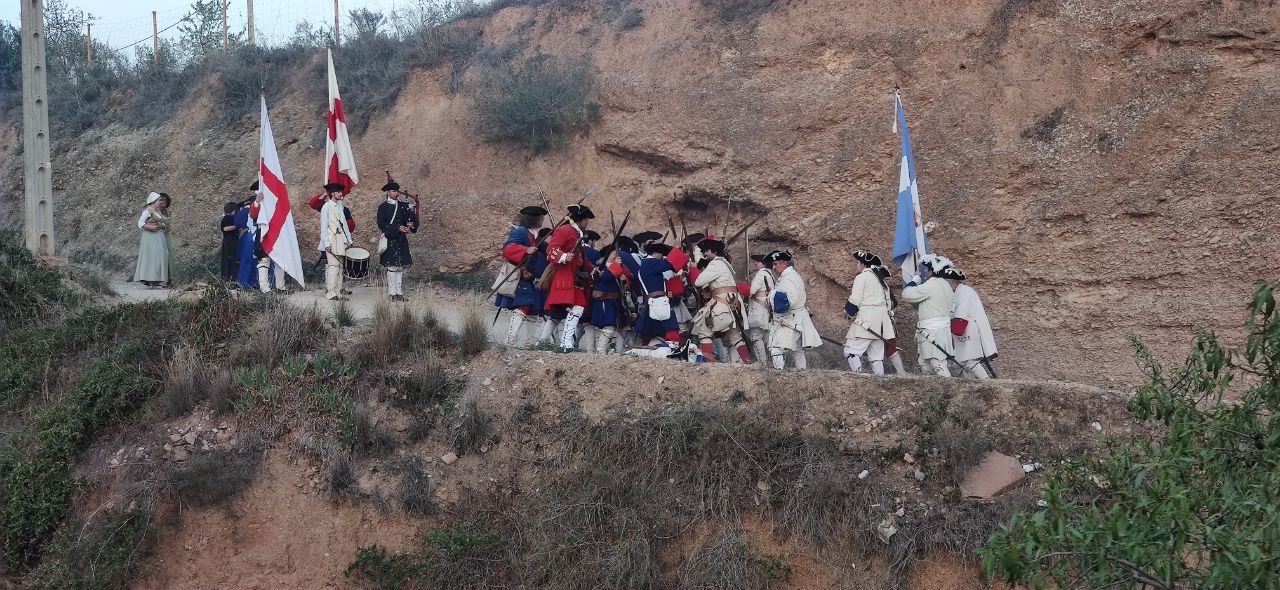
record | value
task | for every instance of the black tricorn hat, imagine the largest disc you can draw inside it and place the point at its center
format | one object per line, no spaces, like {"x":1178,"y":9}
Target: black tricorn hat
{"x":334,"y":187}
{"x":760,"y":258}
{"x":579,"y":212}
{"x":533,"y":210}
{"x":952,"y":273}
{"x":710,"y":245}
{"x":779,"y":256}
{"x":590,"y":235}
{"x":628,"y":245}
{"x":866,"y":257}
{"x":390,"y":186}
{"x":647,"y":236}
{"x":254,"y":187}
{"x":693,"y":238}
{"x":660,"y":248}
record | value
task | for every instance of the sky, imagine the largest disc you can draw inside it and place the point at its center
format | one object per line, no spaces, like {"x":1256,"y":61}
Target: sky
{"x":119,"y":23}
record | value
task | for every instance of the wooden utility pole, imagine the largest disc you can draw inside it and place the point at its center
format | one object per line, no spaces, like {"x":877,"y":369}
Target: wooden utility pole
{"x":155,"y":39}
{"x":249,"y":6}
{"x":225,"y":4}
{"x":88,"y":46}
{"x":35,"y":132}
{"x":337,"y":36}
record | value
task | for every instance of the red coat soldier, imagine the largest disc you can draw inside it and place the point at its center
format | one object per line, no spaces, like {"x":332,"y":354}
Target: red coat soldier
{"x":566,"y":258}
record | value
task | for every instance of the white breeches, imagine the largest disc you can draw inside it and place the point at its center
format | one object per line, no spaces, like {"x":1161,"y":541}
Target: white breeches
{"x":332,"y":275}
{"x":395,"y":281}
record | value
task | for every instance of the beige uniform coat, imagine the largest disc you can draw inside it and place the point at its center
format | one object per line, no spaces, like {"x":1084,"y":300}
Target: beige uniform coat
{"x":872,"y":300}
{"x":333,"y":229}
{"x":722,"y":312}
{"x":793,"y":329}
{"x":934,"y":301}
{"x":758,"y":306}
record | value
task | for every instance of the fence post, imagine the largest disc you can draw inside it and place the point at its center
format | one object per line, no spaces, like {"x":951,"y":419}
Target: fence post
{"x":249,"y":6}
{"x":337,"y":36}
{"x":89,"y":44}
{"x":225,"y":4}
{"x":155,"y":39}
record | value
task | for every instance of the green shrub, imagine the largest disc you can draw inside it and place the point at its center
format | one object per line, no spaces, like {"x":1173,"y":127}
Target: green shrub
{"x":38,"y":486}
{"x":1193,"y":506}
{"x":29,"y":290}
{"x":102,"y":553}
{"x":536,"y":103}
{"x":386,"y":571}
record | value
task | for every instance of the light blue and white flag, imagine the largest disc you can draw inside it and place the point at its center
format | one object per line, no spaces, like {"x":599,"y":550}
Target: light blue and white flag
{"x":909,"y":244}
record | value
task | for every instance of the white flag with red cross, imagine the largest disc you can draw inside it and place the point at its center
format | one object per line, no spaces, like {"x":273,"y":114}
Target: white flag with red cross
{"x":339,"y":162}
{"x":280,"y":240}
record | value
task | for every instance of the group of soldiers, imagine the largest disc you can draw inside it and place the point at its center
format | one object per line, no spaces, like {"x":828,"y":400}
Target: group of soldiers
{"x":642,"y":296}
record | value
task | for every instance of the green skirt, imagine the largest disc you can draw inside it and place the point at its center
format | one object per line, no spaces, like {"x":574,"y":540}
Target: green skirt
{"x":155,"y":259}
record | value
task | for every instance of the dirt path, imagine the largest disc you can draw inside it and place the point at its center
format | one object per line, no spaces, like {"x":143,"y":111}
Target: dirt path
{"x":450,"y":305}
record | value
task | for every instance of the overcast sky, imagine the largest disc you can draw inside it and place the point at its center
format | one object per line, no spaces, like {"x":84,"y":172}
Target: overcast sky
{"x":118,"y":23}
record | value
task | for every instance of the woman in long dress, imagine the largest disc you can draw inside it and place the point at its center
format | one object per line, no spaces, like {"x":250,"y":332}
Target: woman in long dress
{"x":155,"y":258}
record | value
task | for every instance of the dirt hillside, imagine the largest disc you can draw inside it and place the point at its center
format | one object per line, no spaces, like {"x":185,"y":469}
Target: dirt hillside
{"x":1098,"y":168}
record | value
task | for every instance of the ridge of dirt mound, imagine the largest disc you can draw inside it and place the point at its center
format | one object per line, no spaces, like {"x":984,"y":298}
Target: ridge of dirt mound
{"x":769,"y":461}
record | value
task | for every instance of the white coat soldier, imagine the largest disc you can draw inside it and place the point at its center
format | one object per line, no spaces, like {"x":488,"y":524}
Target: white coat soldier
{"x":396,"y":220}
{"x":971,"y":335}
{"x":722,"y":315}
{"x":791,"y":330}
{"x":934,"y":300}
{"x":758,"y":309}
{"x":868,"y":306}
{"x":335,"y":238}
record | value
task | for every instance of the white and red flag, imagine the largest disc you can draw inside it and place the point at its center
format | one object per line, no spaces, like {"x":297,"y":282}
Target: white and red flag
{"x":339,"y":162}
{"x":281,"y":238}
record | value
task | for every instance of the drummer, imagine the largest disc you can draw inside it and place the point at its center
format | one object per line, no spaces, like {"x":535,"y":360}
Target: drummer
{"x":335,"y":237}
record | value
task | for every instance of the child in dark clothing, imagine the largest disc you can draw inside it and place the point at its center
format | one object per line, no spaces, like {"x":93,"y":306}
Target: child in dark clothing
{"x":230,"y":238}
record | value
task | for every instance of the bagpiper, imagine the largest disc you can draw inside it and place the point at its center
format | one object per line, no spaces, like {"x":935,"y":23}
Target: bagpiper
{"x":934,"y":300}
{"x":971,"y":335}
{"x":868,"y":308}
{"x":791,"y":330}
{"x":722,"y":315}
{"x":396,"y":219}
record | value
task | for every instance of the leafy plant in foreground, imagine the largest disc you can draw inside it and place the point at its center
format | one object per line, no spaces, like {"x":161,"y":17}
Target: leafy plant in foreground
{"x":1195,"y":506}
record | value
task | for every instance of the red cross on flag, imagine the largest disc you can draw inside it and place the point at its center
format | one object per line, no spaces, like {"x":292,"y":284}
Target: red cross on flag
{"x":280,"y":240}
{"x":339,"y":162}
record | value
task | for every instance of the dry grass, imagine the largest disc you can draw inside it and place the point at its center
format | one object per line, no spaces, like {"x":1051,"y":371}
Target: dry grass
{"x":719,"y":564}
{"x":474,"y":338}
{"x":214,"y":477}
{"x":415,"y":488}
{"x":430,"y":333}
{"x":185,"y":382}
{"x":470,"y":427}
{"x":392,"y":334}
{"x":288,"y":330}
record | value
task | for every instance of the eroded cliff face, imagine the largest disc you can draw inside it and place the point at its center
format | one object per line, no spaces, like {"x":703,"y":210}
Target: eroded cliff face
{"x":1097,"y":168}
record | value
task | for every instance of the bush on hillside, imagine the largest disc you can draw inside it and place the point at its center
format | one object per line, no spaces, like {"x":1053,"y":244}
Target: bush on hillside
{"x":29,"y":289}
{"x":536,"y":103}
{"x":1192,"y":507}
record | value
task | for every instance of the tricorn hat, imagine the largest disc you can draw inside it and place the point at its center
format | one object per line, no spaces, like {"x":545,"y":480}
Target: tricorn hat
{"x":533,"y":210}
{"x":628,"y":245}
{"x":952,"y":273}
{"x":590,"y":235}
{"x":391,"y":186}
{"x":693,"y":238}
{"x":647,"y":236}
{"x":779,"y":256}
{"x":334,"y":187}
{"x":764,"y":258}
{"x":254,"y":187}
{"x":866,"y":258}
{"x":580,"y":212}
{"x":935,"y":262}
{"x":710,"y":245}
{"x":659,"y":248}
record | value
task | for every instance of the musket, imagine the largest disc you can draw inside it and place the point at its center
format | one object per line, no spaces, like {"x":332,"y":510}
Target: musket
{"x":617,"y":235}
{"x":552,"y":267}
{"x":744,"y":229}
{"x":697,"y":295}
{"x":950,"y":357}
{"x":538,"y":244}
